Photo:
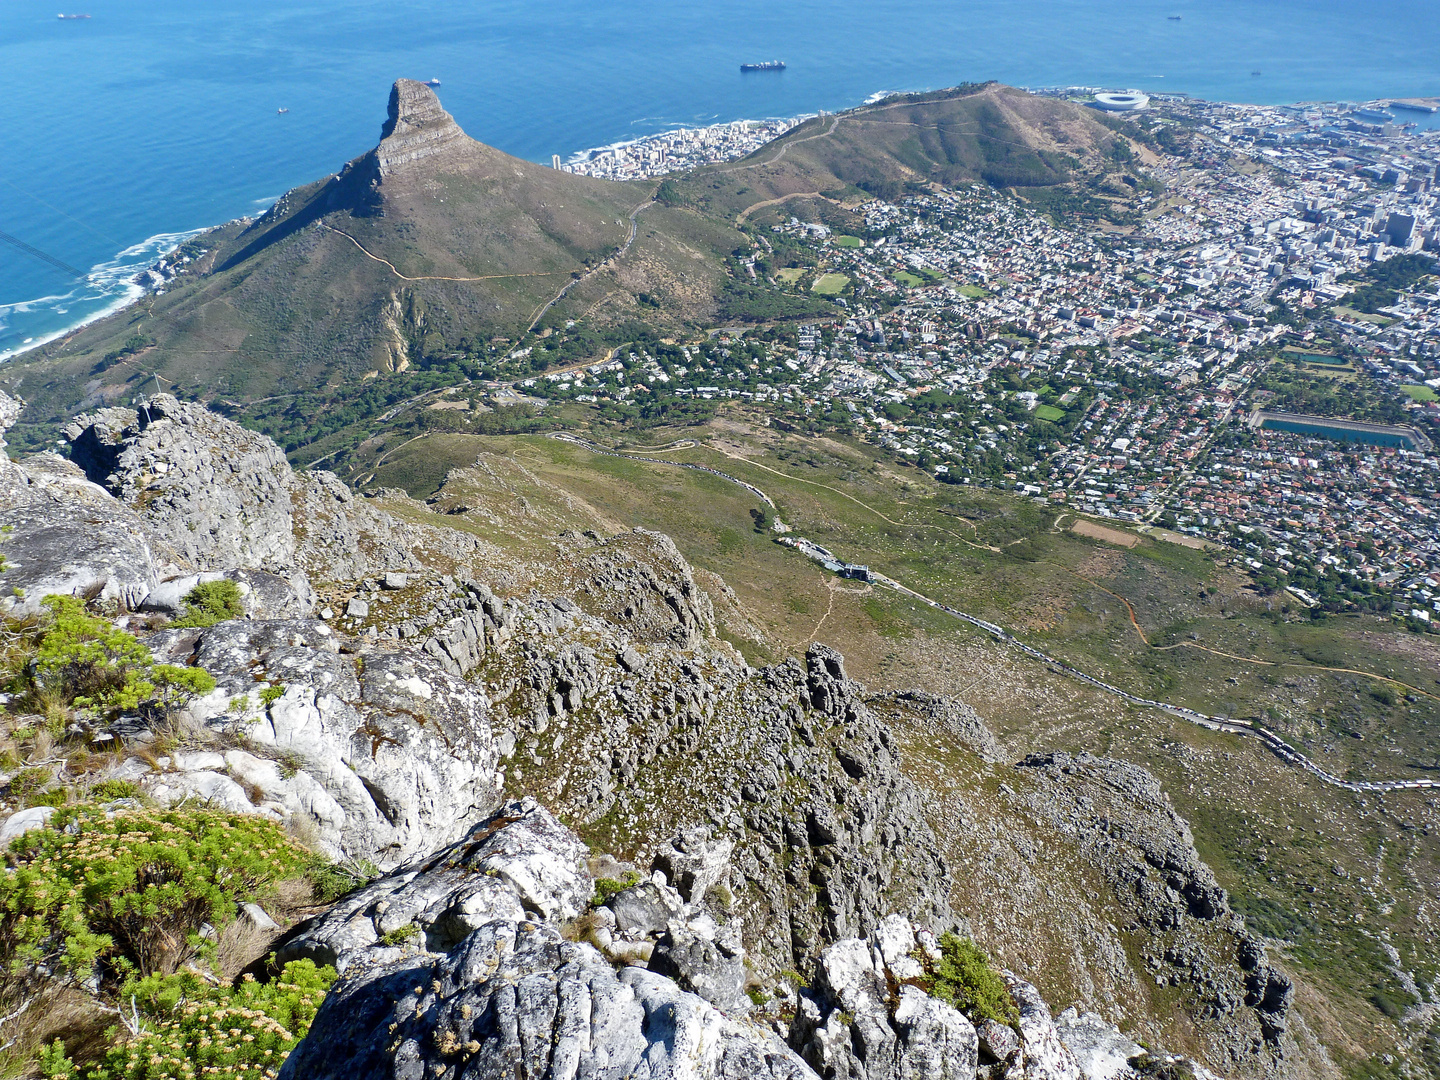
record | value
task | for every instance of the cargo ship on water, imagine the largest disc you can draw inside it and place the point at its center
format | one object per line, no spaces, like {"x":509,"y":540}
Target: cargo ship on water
{"x":764,"y":65}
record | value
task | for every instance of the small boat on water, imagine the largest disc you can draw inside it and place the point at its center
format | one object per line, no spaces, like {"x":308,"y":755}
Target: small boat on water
{"x":766,"y":65}
{"x":74,"y":16}
{"x":1174,"y":18}
{"x":1256,"y":73}
{"x":281,"y":112}
{"x":432,"y":82}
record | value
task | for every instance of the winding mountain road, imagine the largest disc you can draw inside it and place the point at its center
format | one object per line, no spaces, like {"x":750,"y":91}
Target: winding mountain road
{"x":620,"y":254}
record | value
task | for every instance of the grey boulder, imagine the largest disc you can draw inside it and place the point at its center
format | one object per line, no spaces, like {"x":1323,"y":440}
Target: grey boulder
{"x":518,"y":864}
{"x":515,"y":999}
{"x":847,"y":1029}
{"x":401,"y":751}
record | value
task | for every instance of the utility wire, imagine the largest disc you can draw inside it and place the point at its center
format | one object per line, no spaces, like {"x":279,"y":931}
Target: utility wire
{"x":62,"y":213}
{"x":66,"y":267}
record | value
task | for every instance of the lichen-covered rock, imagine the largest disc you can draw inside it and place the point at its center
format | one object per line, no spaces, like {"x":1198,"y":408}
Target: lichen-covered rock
{"x":486,"y":984}
{"x":94,"y":549}
{"x":1043,"y":1054}
{"x":515,"y":999}
{"x":518,"y":864}
{"x":12,"y":482}
{"x":216,"y":491}
{"x":696,"y":861}
{"x":341,"y":537}
{"x":1101,"y":1052}
{"x":863,"y":1021}
{"x":403,"y":748}
{"x":709,"y":966}
{"x":63,"y":534}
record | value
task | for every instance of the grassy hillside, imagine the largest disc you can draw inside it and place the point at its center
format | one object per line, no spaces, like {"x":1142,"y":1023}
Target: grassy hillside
{"x":990,"y":134}
{"x":421,"y":250}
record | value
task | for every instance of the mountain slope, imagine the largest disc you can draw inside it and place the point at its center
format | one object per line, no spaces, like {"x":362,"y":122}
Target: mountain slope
{"x":991,"y":133}
{"x":432,"y":245}
{"x":427,"y":245}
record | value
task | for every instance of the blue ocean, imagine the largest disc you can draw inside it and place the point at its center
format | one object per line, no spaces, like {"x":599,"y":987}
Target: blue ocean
{"x":127,"y":130}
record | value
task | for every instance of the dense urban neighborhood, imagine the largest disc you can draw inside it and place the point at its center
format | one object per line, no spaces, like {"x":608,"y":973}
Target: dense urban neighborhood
{"x":1251,"y":358}
{"x":674,"y":151}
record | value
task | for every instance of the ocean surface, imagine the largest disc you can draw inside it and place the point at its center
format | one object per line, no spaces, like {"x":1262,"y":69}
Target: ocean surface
{"x":125,"y":131}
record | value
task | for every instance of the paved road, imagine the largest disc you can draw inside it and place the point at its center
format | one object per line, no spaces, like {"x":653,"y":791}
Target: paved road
{"x":625,"y":247}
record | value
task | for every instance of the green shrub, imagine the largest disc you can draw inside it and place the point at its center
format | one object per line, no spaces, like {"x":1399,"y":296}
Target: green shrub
{"x":30,"y":781}
{"x":174,"y":684}
{"x":606,"y":887}
{"x":963,"y":978}
{"x":211,"y":602}
{"x":116,"y":789}
{"x":71,"y":657}
{"x":53,"y":797}
{"x":329,"y":881}
{"x":400,"y":934}
{"x":192,"y":1029}
{"x":89,"y":661}
{"x":54,"y":1064}
{"x":129,"y":892}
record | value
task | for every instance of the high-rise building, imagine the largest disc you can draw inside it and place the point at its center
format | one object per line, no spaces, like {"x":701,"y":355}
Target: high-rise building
{"x":555,"y":161}
{"x":1400,"y":228}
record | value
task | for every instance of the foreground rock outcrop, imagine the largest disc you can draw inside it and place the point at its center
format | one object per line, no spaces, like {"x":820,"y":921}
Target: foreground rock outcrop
{"x":471,"y":962}
{"x":491,"y":987}
{"x":441,"y":719}
{"x":383,"y":753}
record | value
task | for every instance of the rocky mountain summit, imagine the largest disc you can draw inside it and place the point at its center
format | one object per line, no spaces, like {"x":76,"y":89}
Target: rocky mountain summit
{"x":416,"y":127}
{"x":606,"y":846}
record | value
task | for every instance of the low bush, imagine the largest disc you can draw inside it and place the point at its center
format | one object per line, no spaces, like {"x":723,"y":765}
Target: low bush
{"x":211,"y":602}
{"x":605,"y":888}
{"x":329,"y":881}
{"x":190,"y":1029}
{"x":89,"y":661}
{"x":963,"y":978}
{"x":126,"y":895}
{"x":74,"y":658}
{"x":107,"y":790}
{"x":400,"y":934}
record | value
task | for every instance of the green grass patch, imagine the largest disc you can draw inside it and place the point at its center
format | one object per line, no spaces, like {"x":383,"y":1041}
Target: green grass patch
{"x":975,"y":292}
{"x":1050,"y":412}
{"x":849,"y":241}
{"x":1421,"y":392}
{"x":830,"y":284}
{"x":791,"y":274}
